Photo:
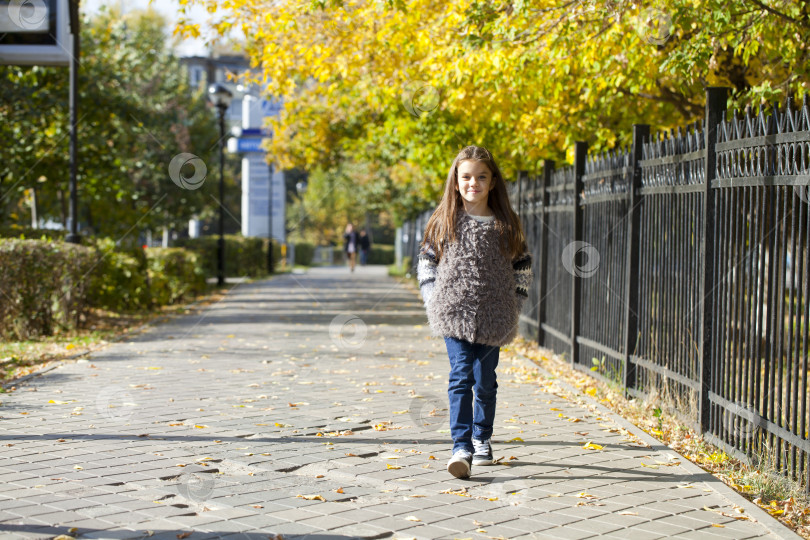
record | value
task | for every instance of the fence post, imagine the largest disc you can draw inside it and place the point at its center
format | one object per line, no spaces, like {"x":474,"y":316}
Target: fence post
{"x":632,"y":283}
{"x":715,"y":111}
{"x":542,"y":264}
{"x":580,"y":153}
{"x":519,"y":195}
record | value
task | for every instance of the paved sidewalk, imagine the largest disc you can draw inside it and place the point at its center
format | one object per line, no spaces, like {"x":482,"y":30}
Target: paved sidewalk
{"x":314,"y":406}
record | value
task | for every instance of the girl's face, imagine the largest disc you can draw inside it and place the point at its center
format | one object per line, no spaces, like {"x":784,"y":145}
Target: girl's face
{"x":474,"y":181}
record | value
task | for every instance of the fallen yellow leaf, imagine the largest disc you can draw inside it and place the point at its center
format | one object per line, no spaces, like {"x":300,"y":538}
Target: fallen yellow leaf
{"x":591,"y":446}
{"x":461,"y":492}
{"x":310,"y":497}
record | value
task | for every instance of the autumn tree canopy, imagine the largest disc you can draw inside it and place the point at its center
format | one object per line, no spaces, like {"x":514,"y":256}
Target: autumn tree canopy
{"x":399,"y":86}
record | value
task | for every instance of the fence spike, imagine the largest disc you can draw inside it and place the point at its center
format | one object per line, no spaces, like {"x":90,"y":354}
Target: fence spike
{"x":790,"y":121}
{"x":805,"y":112}
{"x":696,"y":135}
{"x":777,"y":121}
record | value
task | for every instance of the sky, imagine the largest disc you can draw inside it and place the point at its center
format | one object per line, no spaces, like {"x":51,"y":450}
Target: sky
{"x":169,"y":8}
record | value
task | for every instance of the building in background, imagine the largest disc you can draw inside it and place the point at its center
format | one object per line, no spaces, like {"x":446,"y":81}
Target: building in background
{"x":261,"y":185}
{"x":205,"y":70}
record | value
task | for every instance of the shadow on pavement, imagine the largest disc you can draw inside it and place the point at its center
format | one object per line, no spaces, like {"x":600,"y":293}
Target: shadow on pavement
{"x":83,"y":532}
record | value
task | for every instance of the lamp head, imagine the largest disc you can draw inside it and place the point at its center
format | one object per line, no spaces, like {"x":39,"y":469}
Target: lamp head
{"x":220,"y":96}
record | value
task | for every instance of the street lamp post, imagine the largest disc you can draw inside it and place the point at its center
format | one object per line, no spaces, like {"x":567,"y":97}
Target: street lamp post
{"x":270,"y":268}
{"x":73,"y":7}
{"x":301,"y":188}
{"x":221,"y":98}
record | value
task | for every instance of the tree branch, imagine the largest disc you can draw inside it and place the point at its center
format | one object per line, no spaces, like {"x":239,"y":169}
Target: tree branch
{"x":675,"y":99}
{"x":778,"y":13}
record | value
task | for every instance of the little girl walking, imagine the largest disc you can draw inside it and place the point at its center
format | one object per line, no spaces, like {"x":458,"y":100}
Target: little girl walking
{"x":474,"y":272}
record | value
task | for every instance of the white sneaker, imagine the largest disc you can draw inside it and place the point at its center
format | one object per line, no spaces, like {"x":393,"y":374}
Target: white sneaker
{"x":483,"y":452}
{"x":459,"y":464}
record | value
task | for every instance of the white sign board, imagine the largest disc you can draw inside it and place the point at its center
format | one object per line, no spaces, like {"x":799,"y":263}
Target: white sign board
{"x":258,"y":177}
{"x":35,"y":33}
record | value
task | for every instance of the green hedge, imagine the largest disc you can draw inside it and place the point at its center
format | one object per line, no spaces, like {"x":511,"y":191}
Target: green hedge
{"x":244,"y":256}
{"x":304,"y":253}
{"x":48,"y":286}
{"x":381,"y":254}
{"x":174,"y":275}
{"x":43,"y":286}
{"x":28,"y":233}
{"x":120,"y":281}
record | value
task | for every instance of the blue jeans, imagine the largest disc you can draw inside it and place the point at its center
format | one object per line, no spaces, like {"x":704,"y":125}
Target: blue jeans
{"x":472,"y":370}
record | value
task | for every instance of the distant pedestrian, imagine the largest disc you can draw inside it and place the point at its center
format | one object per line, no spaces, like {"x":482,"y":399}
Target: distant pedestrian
{"x":365,"y":247}
{"x":351,"y":244}
{"x":474,"y":272}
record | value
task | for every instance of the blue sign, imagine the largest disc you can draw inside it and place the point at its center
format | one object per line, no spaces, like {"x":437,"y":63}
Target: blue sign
{"x":249,"y":145}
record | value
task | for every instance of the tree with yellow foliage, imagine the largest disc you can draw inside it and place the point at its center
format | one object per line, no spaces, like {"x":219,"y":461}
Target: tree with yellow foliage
{"x":399,"y":86}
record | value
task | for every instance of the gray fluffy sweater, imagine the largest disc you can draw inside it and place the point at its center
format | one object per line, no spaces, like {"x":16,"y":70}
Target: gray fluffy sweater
{"x":474,"y":292}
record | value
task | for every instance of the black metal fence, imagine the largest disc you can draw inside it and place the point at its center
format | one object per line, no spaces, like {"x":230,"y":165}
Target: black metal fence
{"x":411,"y":238}
{"x":679,"y":266}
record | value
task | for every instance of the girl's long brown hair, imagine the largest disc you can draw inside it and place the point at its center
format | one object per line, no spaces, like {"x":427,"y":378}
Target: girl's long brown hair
{"x":440,"y":229}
